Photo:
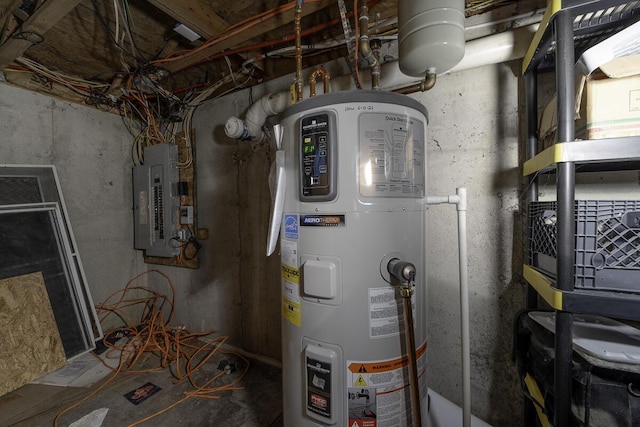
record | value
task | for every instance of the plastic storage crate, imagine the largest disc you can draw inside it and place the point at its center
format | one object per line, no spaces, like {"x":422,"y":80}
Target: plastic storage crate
{"x":604,"y":390}
{"x":607,"y":234}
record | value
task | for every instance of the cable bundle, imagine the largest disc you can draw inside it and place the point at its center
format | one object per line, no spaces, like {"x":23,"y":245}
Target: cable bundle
{"x":177,"y":349}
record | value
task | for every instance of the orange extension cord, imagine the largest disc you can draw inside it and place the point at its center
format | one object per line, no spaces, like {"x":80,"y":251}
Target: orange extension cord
{"x":180,"y":351}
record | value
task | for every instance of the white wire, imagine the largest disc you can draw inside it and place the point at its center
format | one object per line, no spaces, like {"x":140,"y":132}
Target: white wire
{"x":226,"y":58}
{"x":64,"y":80}
{"x":116,"y":13}
{"x":127,"y":29}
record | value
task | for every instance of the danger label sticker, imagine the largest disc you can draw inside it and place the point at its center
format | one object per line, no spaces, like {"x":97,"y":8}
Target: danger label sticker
{"x":376,"y":390}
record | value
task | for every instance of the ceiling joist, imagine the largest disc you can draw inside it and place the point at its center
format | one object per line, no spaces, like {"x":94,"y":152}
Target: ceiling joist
{"x":33,"y":29}
{"x":194,"y":14}
{"x":250,"y":33}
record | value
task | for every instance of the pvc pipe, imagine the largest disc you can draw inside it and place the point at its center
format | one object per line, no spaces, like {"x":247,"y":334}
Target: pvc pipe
{"x":460,"y":200}
{"x":464,"y":306}
{"x":250,"y":129}
{"x":497,"y":48}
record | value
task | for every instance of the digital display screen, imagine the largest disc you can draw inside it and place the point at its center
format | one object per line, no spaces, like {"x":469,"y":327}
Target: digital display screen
{"x":309,"y":149}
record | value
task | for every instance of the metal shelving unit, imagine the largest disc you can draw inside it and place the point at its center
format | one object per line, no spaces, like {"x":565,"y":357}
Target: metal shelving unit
{"x":569,"y":28}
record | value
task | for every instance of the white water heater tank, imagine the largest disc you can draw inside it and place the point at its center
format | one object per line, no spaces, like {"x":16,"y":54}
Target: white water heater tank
{"x":430,"y":35}
{"x":355,"y":186}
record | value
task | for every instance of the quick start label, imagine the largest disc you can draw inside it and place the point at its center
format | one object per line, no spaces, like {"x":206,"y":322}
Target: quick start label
{"x":322,"y":221}
{"x":392,"y":160}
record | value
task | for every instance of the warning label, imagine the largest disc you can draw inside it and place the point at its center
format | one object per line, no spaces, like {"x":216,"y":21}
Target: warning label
{"x":376,"y":390}
{"x":385,"y":312}
{"x":289,"y":253}
{"x":291,"y":304}
{"x":360,"y":382}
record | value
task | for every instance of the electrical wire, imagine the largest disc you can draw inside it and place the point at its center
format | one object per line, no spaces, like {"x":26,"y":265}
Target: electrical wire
{"x":473,"y":7}
{"x":107,"y":29}
{"x":129,"y":28}
{"x":231,"y":31}
{"x":152,"y":113}
{"x":77,"y":85}
{"x":180,"y":352}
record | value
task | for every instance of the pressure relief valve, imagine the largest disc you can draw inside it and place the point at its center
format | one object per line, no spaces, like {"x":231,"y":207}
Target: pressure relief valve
{"x":404,"y":274}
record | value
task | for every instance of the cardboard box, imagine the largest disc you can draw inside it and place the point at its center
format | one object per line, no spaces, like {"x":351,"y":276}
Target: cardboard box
{"x":607,"y":103}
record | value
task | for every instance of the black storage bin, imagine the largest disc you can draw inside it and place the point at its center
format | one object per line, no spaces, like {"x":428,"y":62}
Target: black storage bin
{"x":607,"y":242}
{"x":602,"y":396}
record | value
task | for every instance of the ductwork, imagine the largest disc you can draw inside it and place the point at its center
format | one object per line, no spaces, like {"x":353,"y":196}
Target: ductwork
{"x":494,"y":49}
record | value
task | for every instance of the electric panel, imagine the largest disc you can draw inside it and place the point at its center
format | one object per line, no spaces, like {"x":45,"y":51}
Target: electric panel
{"x":156,"y":201}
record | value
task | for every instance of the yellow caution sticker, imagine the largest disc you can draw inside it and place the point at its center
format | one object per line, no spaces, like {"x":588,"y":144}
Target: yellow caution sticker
{"x":290,"y":273}
{"x":360,"y":382}
{"x":291,"y":312}
{"x":291,"y":301}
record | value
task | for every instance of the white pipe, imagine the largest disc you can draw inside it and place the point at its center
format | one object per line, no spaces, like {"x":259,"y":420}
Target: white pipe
{"x":497,"y":48}
{"x":494,"y":49}
{"x":250,"y":129}
{"x":464,"y":306}
{"x":460,"y":200}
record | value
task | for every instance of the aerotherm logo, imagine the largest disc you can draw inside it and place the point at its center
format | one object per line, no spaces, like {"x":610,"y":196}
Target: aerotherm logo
{"x":322,"y":221}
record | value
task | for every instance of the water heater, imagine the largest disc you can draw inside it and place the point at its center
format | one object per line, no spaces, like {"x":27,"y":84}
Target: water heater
{"x":355,"y":172}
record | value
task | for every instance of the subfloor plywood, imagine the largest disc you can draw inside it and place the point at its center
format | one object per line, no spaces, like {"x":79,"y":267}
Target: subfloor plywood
{"x":30,"y":342}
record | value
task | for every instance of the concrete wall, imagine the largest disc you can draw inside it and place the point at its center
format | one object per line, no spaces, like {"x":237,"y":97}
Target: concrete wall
{"x":236,"y":290}
{"x":90,"y":150}
{"x":472,"y":142}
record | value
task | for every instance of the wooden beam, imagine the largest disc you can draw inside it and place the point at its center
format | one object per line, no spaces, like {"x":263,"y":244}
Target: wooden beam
{"x":8,"y":24}
{"x":7,"y":7}
{"x":195,"y":14}
{"x":37,"y":25}
{"x":256,"y":31}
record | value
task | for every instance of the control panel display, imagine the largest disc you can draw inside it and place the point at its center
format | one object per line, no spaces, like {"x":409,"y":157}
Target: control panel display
{"x":317,"y":159}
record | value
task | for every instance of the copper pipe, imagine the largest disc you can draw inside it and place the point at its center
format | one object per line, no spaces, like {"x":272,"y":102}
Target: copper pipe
{"x":428,"y":82}
{"x":298,"y":29}
{"x":365,"y":48}
{"x":416,"y":415}
{"x":375,"y":44}
{"x":320,"y":72}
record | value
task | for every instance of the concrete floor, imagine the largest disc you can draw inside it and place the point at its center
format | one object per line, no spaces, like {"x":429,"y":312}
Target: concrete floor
{"x":258,"y":403}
